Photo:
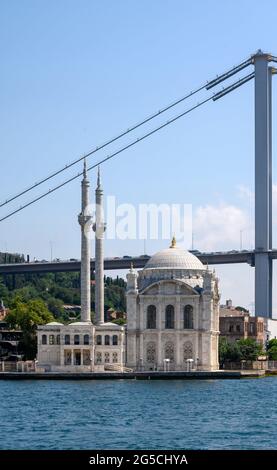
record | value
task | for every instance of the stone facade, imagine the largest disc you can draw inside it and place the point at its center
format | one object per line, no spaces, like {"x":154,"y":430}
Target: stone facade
{"x":242,"y":326}
{"x":172,"y":314}
{"x":80,"y":348}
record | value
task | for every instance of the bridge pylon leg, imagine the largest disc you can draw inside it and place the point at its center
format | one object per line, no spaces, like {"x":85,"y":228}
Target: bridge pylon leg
{"x":263,"y":186}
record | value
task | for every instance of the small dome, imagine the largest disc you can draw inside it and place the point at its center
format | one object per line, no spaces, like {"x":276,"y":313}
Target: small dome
{"x":54,"y":323}
{"x":80,"y":323}
{"x":174,"y":258}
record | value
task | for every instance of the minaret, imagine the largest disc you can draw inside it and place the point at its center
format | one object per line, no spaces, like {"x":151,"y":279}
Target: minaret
{"x":99,"y":229}
{"x":85,"y":220}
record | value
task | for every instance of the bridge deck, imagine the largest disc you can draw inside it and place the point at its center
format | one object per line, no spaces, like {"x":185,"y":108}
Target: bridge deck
{"x":125,"y":262}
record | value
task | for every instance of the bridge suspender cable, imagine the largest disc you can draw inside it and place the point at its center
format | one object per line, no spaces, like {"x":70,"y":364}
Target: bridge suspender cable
{"x":131,"y":144}
{"x":207,"y":86}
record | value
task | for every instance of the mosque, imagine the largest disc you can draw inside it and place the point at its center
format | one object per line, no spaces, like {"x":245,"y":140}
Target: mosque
{"x":172,"y":312}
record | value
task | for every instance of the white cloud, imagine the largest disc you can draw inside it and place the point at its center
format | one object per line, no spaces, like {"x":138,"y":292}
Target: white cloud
{"x":218,"y":227}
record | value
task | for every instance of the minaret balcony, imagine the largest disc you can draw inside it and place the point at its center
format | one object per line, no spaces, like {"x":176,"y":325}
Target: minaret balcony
{"x":84,"y":219}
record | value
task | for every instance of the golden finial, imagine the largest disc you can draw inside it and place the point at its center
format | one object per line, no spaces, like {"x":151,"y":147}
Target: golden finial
{"x":173,"y":242}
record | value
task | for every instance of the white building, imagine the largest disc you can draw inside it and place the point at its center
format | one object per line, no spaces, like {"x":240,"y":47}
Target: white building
{"x":83,"y":346}
{"x":270,"y":329}
{"x":172,"y":313}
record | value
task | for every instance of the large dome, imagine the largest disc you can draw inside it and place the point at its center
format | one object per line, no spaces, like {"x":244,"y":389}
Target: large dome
{"x":174,"y":258}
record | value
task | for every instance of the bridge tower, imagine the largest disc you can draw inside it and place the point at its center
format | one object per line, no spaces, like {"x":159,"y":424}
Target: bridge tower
{"x":263,"y":184}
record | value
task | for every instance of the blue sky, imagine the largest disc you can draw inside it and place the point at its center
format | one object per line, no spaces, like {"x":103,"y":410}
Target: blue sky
{"x":75,"y":73}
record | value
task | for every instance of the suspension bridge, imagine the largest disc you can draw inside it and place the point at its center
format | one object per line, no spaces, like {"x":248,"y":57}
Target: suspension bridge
{"x":261,"y":258}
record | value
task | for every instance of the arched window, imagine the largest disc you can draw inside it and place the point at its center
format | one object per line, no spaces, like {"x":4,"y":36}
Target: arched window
{"x":86,"y":339}
{"x":66,"y":339}
{"x":115,"y":340}
{"x":151,"y":317}
{"x":99,"y":340}
{"x":188,"y":317}
{"x":58,"y":339}
{"x":51,"y":339}
{"x":44,"y":339}
{"x":76,"y":339}
{"x":169,"y":316}
{"x":107,"y":340}
{"x":188,"y":351}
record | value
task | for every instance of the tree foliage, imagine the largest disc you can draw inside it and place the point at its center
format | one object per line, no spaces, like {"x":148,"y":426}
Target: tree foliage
{"x":272,"y":350}
{"x":27,"y":316}
{"x":244,"y":349}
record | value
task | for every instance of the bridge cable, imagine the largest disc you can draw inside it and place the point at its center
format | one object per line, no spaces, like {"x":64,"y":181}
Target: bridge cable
{"x":134,"y":142}
{"x":108,"y":157}
{"x":231,"y":72}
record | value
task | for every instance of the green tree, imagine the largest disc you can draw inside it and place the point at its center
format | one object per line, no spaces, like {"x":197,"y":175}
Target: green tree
{"x":56,"y":307}
{"x":272,"y":350}
{"x":228,"y":352}
{"x":120,"y":321}
{"x":27,"y":316}
{"x":4,"y":293}
{"x":249,"y":349}
{"x":241,"y":309}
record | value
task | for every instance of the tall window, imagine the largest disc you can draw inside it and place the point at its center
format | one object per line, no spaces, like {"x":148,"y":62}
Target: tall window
{"x":66,"y":339}
{"x":107,"y":340}
{"x":151,"y":353}
{"x":188,"y":351}
{"x":151,"y":317}
{"x":51,"y":339}
{"x":86,"y":339}
{"x":76,"y":339}
{"x":188,"y":317}
{"x":107,"y":357}
{"x":44,"y":339}
{"x":115,"y":357}
{"x":115,"y":340}
{"x":169,"y":351}
{"x":99,"y":340}
{"x":67,"y":357}
{"x":58,"y":339}
{"x":169,"y":316}
{"x":98,"y":357}
{"x":86,"y":357}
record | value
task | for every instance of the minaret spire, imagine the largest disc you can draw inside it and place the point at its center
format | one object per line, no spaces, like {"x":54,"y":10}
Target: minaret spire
{"x":85,"y":168}
{"x":98,"y":178}
{"x":85,"y":221}
{"x":99,"y":229}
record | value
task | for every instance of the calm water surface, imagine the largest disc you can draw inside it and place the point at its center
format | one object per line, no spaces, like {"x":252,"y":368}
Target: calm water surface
{"x":216,"y":414}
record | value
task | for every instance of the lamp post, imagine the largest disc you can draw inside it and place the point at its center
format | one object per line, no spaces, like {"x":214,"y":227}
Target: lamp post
{"x":189,"y":364}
